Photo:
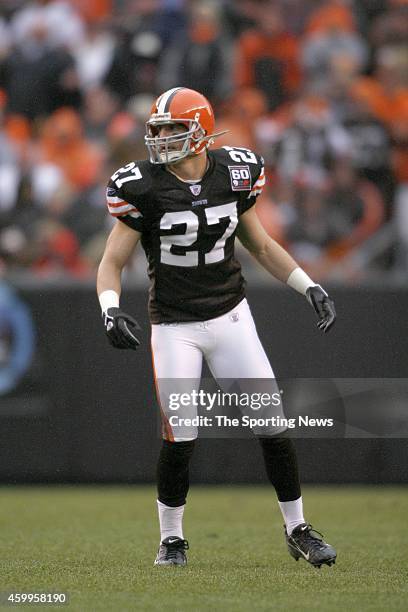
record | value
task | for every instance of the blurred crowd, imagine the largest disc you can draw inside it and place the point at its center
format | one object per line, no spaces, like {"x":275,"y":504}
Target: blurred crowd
{"x":319,"y":88}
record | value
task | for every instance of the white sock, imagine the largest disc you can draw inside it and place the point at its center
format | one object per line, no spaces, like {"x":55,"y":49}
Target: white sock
{"x":292,"y":512}
{"x":171,"y":521}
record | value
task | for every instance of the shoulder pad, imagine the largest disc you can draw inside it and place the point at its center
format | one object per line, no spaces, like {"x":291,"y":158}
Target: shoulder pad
{"x":134,"y":179}
{"x":240,"y":156}
{"x":245,"y":168}
{"x":126,"y":192}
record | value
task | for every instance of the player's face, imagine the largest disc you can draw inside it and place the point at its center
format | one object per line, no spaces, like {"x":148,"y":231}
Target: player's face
{"x":168,"y":142}
{"x":172,"y":129}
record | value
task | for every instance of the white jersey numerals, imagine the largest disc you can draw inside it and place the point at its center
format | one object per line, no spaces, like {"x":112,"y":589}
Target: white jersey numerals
{"x":191,"y":221}
{"x":241,"y":154}
{"x":214,"y":215}
{"x":131,"y":169}
{"x":188,"y":238}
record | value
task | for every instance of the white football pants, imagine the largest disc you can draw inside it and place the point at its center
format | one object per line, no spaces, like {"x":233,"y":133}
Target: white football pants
{"x":232,"y":350}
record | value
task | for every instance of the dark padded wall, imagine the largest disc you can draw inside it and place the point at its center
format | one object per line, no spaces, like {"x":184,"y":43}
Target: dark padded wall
{"x":87,"y":413}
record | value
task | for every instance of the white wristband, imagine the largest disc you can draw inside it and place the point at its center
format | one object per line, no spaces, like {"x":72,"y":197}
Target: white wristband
{"x":108,"y":299}
{"x":300,"y":281}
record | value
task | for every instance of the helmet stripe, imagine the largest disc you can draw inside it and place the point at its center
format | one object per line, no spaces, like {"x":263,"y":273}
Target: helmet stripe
{"x":165,"y":99}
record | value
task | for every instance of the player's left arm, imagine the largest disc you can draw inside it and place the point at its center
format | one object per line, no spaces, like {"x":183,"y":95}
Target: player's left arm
{"x":277,"y":261}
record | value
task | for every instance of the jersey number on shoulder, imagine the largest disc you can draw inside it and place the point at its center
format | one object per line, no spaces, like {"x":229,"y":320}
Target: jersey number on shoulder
{"x":131,"y":169}
{"x":191,"y":221}
{"x":240,"y":154}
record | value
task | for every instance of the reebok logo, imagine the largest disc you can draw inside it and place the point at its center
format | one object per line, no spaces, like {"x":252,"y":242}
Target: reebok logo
{"x":195,"y":189}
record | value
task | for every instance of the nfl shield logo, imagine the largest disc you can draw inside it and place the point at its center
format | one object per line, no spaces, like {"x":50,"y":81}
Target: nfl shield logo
{"x":195,"y":189}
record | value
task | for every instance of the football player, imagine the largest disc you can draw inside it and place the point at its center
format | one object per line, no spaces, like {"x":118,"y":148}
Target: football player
{"x":187,"y":204}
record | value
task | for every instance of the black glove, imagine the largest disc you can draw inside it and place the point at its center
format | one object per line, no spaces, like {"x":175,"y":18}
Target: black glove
{"x":323,"y":305}
{"x":120,"y":328}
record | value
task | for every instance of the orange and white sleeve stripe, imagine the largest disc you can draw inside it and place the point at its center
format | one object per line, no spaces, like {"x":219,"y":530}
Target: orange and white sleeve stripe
{"x":258,"y":185}
{"x":119,"y":208}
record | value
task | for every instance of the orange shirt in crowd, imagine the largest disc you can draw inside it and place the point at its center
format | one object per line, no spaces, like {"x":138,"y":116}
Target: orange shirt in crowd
{"x":238,"y":115}
{"x":390,"y":106}
{"x":254,"y":45}
{"x":63,"y":143}
{"x":331,"y":15}
{"x":93,"y":10}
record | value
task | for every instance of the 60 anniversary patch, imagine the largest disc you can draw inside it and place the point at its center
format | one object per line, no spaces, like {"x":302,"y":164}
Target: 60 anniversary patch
{"x":240,"y":178}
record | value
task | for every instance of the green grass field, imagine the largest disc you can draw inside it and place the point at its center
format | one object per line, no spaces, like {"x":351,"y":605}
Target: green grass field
{"x":98,"y":545}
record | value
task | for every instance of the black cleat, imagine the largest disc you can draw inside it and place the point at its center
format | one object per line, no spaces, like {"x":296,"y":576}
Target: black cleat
{"x":304,"y":542}
{"x":172,"y":552}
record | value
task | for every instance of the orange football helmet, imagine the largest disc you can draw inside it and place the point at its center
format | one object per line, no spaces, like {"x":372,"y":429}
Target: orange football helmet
{"x":179,"y":106}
